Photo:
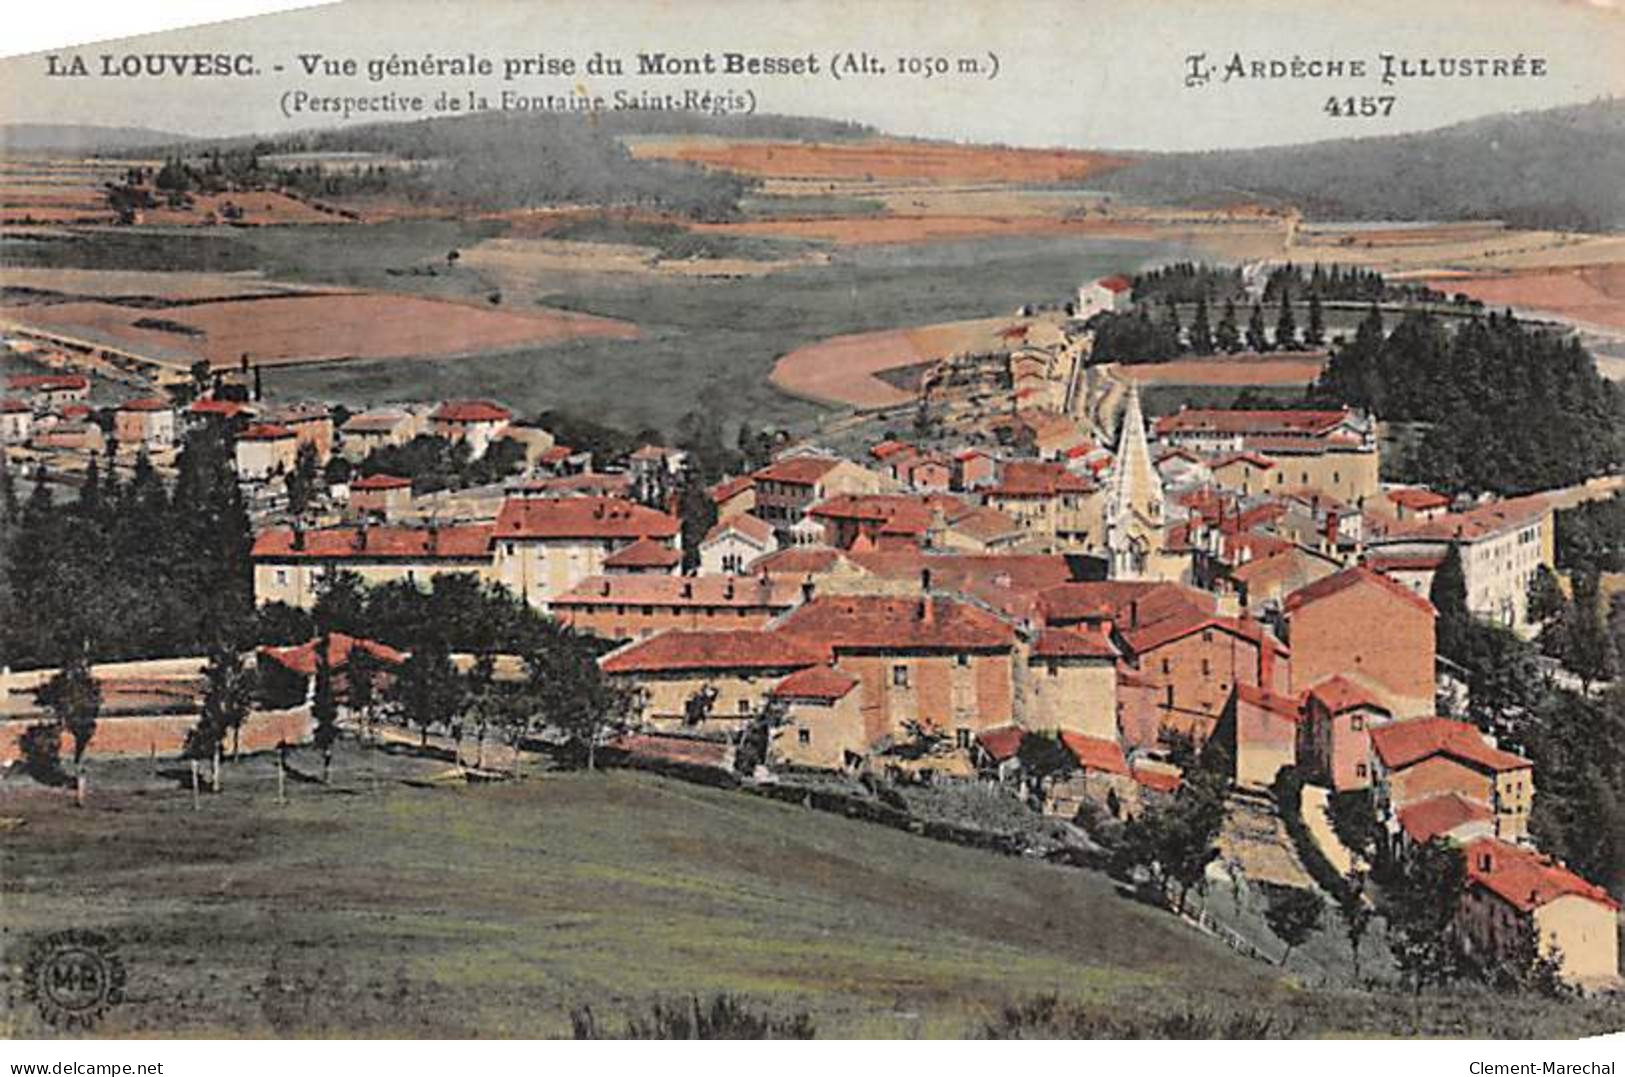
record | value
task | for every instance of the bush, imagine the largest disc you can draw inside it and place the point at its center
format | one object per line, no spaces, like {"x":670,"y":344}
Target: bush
{"x":725,"y":1017}
{"x":41,"y":746}
{"x":1288,"y":792}
{"x":1046,"y":1017}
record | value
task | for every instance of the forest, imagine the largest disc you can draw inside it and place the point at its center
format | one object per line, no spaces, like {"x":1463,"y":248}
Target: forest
{"x":1507,"y":408}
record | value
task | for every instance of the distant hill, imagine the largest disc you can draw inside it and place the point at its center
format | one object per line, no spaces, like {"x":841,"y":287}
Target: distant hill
{"x":80,"y":138}
{"x":1556,"y":168}
{"x":507,"y":159}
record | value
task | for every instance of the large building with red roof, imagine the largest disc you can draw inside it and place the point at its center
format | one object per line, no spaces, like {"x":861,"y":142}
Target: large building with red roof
{"x":943,"y":663}
{"x":637,"y":606}
{"x":1502,"y":545}
{"x":1514,"y":892}
{"x":476,"y":422}
{"x":1363,"y":625}
{"x":544,"y":546}
{"x":147,"y":423}
{"x":1422,"y":758}
{"x":290,"y":563}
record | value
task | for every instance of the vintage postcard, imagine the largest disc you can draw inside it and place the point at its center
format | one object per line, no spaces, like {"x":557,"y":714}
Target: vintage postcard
{"x":1037,"y":520}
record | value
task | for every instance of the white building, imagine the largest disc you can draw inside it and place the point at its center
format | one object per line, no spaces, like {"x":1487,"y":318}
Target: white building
{"x":730,"y":546}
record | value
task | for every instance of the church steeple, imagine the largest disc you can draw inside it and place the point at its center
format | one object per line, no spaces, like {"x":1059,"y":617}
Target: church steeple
{"x":1134,"y":506}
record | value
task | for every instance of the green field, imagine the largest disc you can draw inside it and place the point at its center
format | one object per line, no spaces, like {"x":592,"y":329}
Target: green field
{"x":371,"y":908}
{"x":710,"y":344}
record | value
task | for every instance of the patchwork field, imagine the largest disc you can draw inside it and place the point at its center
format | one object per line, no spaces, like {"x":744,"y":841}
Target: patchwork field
{"x":1592,"y":295}
{"x":880,"y":158}
{"x":1275,"y":370}
{"x":316,"y":327}
{"x":128,"y":284}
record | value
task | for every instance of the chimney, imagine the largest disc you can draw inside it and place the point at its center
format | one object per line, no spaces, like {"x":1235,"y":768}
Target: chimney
{"x":688,"y":589}
{"x":1134,"y":613}
{"x":925,"y":581}
{"x":361,"y":536}
{"x":603,"y":588}
{"x":927,"y":610}
{"x":807,"y":589}
{"x":433,"y":545}
{"x":298,"y":536}
{"x":728,"y":590}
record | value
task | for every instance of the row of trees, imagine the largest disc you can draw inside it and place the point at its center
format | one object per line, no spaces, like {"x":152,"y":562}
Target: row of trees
{"x":1138,"y":337}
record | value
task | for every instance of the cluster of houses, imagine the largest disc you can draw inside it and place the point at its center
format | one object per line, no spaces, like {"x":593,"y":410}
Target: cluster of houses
{"x":1237,"y":576}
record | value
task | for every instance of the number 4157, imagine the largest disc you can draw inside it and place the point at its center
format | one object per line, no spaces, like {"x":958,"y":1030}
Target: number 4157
{"x":1360,"y":106}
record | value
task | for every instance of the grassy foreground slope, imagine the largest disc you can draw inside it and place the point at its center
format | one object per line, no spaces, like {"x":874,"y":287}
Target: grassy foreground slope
{"x":493,"y":910}
{"x":383,"y":910}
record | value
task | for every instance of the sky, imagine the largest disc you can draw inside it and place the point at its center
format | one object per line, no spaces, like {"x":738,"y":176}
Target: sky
{"x":1078,"y":73}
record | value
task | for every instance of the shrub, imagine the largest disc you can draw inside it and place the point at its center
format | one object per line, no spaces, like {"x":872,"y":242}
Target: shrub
{"x":41,"y":746}
{"x":724,"y":1017}
{"x":1046,"y":1017}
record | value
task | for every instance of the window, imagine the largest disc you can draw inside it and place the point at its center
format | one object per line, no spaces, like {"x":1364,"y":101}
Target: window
{"x":508,"y":548}
{"x":963,"y":659}
{"x":962,"y":737}
{"x":804,"y":737}
{"x":899,"y":676}
{"x":1054,"y":669}
{"x":1170,"y":699}
{"x":744,"y":706}
{"x":1357,"y":722}
{"x":1165,"y":665}
{"x":281,"y":577}
{"x":1359,"y":770}
{"x":1207,"y":635}
{"x":1207,"y":668}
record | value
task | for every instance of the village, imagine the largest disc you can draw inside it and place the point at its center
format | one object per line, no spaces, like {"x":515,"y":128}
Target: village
{"x":1030,"y":586}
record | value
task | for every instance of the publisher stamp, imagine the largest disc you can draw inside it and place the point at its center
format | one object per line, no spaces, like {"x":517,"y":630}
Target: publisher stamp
{"x":74,"y":978}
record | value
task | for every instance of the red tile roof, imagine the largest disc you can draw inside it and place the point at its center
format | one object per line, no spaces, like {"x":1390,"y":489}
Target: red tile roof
{"x":1157,"y":777}
{"x":728,"y":488}
{"x":1282,"y":706}
{"x":1480,"y":522}
{"x":1437,"y":816}
{"x":457,"y":542}
{"x":1117,"y":283}
{"x":878,"y":623}
{"x":1339,"y":582}
{"x":815,"y":682}
{"x":799,"y":560}
{"x":644,"y":553}
{"x":672,"y":652}
{"x":471,"y":411}
{"x":1002,"y":742}
{"x":1073,"y":643}
{"x":1095,"y":753}
{"x":302,"y":657}
{"x":890,"y":448}
{"x":380,"y":482}
{"x":1182,"y":624}
{"x":798,"y":470}
{"x":1420,"y":562}
{"x":146,"y":403}
{"x":756,"y":530}
{"x":11,"y":405}
{"x":265,"y":432}
{"x":581,"y":518}
{"x":1401,"y":744}
{"x":226,"y":408}
{"x":1260,"y":421}
{"x":1338,"y":693}
{"x":374,"y":422}
{"x":1524,"y":878}
{"x":772,"y":594}
{"x":1419,"y":498}
{"x":1241,"y":458}
{"x":1038,"y":478}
